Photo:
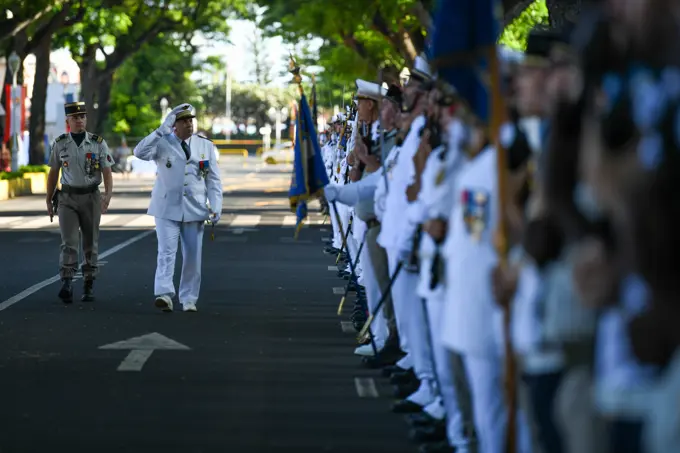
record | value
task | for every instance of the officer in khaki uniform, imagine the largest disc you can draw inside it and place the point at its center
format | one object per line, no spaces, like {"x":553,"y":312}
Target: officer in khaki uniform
{"x":84,"y":160}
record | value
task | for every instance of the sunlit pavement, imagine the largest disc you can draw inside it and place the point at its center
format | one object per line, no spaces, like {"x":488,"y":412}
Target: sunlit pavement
{"x":264,"y":365}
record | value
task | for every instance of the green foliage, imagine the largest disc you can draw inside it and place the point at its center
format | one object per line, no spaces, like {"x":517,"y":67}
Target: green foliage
{"x":358,"y":36}
{"x":160,"y":69}
{"x":515,"y":34}
{"x":34,"y":169}
{"x":7,"y":175}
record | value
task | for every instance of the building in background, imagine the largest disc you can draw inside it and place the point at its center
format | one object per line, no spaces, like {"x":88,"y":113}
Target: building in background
{"x":63,"y":87}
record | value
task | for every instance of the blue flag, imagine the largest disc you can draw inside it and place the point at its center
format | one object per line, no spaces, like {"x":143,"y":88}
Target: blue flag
{"x":309,"y":172}
{"x":462,"y":33}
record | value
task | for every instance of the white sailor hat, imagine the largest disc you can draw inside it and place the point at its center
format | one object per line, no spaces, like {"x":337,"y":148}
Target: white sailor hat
{"x":339,"y":118}
{"x":421,"y":69}
{"x":369,"y":90}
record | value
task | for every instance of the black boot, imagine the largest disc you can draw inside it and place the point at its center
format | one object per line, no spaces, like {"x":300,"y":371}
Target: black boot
{"x":66,"y":291}
{"x":88,"y":293}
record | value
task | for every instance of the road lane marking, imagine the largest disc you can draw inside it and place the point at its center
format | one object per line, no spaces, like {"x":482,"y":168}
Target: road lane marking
{"x":4,"y":220}
{"x":347,"y":327}
{"x":333,"y":268}
{"x":365,"y":387}
{"x":339,"y":291}
{"x":143,"y":221}
{"x":38,"y":286}
{"x":246,"y":221}
{"x":40,"y":222}
{"x":141,"y":349}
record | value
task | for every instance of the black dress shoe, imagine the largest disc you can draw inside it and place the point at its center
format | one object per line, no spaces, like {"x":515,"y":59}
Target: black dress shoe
{"x":404,"y":390}
{"x":66,"y":291}
{"x":433,"y":433}
{"x":422,"y":419}
{"x":406,"y":407}
{"x":406,"y":377}
{"x":388,"y":370}
{"x":88,"y":293}
{"x":437,"y":447}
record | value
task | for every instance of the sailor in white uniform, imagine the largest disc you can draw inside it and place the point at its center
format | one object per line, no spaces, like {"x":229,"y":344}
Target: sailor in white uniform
{"x":188,"y":178}
{"x":396,"y":238}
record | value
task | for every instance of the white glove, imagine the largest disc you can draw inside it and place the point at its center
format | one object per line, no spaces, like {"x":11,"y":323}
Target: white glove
{"x":404,"y":255}
{"x":331,"y":192}
{"x":214,"y":217}
{"x":169,"y":122}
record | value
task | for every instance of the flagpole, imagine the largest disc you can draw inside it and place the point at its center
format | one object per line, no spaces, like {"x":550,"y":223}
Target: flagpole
{"x":497,"y":118}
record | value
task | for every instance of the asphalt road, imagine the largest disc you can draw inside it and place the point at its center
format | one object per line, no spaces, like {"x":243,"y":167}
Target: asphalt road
{"x":264,"y":365}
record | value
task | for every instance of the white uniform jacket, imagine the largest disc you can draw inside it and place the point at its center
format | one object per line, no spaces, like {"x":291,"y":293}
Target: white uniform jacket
{"x":182,"y":186}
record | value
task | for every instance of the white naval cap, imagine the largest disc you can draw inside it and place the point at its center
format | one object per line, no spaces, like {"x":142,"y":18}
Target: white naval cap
{"x":338,"y":118}
{"x":369,"y":90}
{"x":421,"y":68}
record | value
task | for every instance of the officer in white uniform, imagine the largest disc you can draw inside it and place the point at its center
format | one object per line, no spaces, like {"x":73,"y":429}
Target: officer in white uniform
{"x":432,"y":208}
{"x":471,"y":313}
{"x":395,"y":237}
{"x":188,"y":177}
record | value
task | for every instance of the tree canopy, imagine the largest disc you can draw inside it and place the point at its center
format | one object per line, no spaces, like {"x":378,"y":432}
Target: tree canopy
{"x":132,"y":53}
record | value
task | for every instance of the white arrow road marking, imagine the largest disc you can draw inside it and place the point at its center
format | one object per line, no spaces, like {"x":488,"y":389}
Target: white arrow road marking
{"x":141,"y":349}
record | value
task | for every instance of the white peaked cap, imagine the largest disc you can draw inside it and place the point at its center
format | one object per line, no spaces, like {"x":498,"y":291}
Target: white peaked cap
{"x":369,"y":90}
{"x":338,"y":118}
{"x":421,"y":68}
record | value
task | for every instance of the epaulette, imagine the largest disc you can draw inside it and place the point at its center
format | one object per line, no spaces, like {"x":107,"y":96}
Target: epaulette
{"x":203,"y":137}
{"x":96,"y":138}
{"x":61,"y":137}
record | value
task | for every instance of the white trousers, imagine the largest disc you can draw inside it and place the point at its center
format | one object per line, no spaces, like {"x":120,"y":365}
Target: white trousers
{"x":410,"y":316}
{"x":337,"y":237}
{"x":190,"y":235}
{"x":445,"y":364}
{"x":373,"y":295}
{"x":485,"y":376}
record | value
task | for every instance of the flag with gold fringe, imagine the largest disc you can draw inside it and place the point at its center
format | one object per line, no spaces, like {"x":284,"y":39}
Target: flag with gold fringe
{"x":309,"y":172}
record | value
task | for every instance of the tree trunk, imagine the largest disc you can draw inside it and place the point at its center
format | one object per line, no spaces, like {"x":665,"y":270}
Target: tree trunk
{"x":36,"y":127}
{"x":88,"y":84}
{"x":103,"y":96}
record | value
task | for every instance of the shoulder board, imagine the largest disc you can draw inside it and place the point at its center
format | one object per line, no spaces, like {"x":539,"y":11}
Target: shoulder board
{"x":96,"y":138}
{"x":204,"y":138}
{"x":61,"y":137}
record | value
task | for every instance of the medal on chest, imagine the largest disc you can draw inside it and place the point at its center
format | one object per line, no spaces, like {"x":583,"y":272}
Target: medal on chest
{"x":168,"y":164}
{"x":475,"y":212}
{"x":203,"y":166}
{"x":440,"y":177}
{"x":91,"y":163}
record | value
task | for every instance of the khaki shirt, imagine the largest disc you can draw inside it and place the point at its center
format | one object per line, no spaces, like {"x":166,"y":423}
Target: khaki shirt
{"x":81,"y":166}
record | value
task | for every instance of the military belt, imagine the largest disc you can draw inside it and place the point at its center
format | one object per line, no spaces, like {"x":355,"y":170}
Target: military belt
{"x":79,"y":190}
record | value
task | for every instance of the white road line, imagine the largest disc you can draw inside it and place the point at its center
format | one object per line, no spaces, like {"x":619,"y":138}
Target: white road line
{"x":339,"y":291}
{"x":40,"y":222}
{"x":135,"y":360}
{"x":5,"y":220}
{"x":289,"y":221}
{"x":347,"y":327}
{"x":38,"y":286}
{"x":246,"y":221}
{"x":143,"y":221}
{"x":107,"y":218}
{"x":365,"y":387}
{"x":333,"y":268}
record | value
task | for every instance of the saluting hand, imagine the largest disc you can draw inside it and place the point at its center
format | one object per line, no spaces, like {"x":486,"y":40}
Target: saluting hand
{"x":169,"y":122}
